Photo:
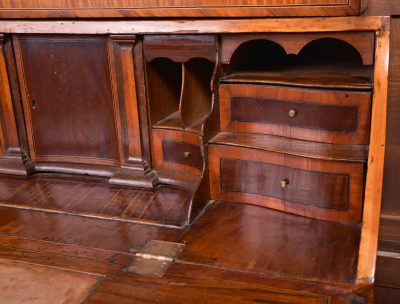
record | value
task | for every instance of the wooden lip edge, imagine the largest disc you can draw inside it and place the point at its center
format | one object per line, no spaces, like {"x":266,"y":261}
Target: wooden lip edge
{"x":367,"y":255}
{"x":289,"y":152}
{"x":195,"y":26}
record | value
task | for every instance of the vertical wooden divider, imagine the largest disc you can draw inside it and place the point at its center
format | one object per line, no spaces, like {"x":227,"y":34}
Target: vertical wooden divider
{"x":373,"y":189}
{"x":133,"y":170}
{"x":13,"y":160}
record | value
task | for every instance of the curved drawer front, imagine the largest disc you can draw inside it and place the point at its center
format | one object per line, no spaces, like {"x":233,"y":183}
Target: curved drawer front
{"x":177,"y":150}
{"x":329,"y":190}
{"x":182,"y":153}
{"x":309,"y":114}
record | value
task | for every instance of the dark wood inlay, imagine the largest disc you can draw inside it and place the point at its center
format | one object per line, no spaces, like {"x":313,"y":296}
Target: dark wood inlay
{"x":182,"y":153}
{"x":297,"y":114}
{"x":324,"y":190}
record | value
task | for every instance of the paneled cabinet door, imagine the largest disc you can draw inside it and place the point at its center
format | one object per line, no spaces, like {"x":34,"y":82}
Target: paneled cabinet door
{"x":79,"y":99}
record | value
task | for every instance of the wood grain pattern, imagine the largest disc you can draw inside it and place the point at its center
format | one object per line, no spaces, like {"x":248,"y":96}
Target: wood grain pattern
{"x":162,"y":161}
{"x":255,"y":239}
{"x":65,"y":89}
{"x":95,"y":198}
{"x":207,"y":26}
{"x":364,"y":43}
{"x":176,"y":8}
{"x":373,"y":188}
{"x":354,"y":170}
{"x":339,"y":76}
{"x":12,"y":160}
{"x":182,"y":153}
{"x":309,"y":188}
{"x":353,"y":153}
{"x":296,"y":99}
{"x":73,"y":230}
{"x":179,"y":48}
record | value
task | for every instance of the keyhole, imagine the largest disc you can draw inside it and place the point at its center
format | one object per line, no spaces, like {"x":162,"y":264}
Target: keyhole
{"x":33,"y":104}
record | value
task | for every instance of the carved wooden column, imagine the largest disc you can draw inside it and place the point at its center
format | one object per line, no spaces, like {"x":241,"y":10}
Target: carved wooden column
{"x":12,"y":159}
{"x":135,"y":168}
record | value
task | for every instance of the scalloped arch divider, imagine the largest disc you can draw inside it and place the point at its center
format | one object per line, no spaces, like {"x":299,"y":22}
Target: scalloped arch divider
{"x":364,"y":43}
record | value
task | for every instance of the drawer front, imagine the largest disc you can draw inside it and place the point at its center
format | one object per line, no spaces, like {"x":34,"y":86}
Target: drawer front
{"x":320,"y":189}
{"x":328,"y":190}
{"x":295,"y":114}
{"x":317,"y":115}
{"x":182,"y":153}
{"x":177,"y":150}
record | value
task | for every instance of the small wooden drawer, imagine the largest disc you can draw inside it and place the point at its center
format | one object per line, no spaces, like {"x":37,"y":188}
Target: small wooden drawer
{"x":329,"y":190}
{"x":309,"y":114}
{"x":177,"y":150}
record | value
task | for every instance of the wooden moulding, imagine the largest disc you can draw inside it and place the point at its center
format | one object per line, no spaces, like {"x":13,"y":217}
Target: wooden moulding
{"x":364,"y":43}
{"x":207,"y":26}
{"x":373,"y":188}
{"x":13,"y":160}
{"x":176,"y":8}
{"x":120,"y":109}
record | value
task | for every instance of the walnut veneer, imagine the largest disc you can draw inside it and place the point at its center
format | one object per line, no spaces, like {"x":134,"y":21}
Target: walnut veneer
{"x":286,"y":114}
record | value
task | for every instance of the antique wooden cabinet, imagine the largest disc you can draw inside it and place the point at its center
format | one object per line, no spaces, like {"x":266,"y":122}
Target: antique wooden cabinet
{"x":269,"y":133}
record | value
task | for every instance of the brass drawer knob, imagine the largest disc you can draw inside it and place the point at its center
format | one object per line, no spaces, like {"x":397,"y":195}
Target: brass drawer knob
{"x":284,"y":182}
{"x":187,"y":154}
{"x":292,"y":113}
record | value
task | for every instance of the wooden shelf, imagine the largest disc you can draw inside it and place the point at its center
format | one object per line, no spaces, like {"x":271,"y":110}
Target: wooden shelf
{"x":173,"y":122}
{"x":353,"y":153}
{"x":334,"y":77}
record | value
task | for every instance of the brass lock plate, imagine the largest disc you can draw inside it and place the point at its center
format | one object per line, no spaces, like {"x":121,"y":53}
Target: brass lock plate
{"x":154,"y":258}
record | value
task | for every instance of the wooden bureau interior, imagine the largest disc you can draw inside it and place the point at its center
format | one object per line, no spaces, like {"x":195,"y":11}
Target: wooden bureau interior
{"x":268,"y":136}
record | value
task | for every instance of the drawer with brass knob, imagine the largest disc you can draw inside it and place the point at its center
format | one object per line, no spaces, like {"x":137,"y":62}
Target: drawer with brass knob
{"x":177,"y":150}
{"x":323,"y":189}
{"x":323,"y":115}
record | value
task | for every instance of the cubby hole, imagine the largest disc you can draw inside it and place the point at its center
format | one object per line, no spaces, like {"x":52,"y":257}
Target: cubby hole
{"x":179,"y":93}
{"x":164,"y":82}
{"x":323,"y":62}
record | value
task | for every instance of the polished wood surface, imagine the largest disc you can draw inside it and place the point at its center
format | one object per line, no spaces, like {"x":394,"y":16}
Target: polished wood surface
{"x":179,"y":48}
{"x":61,"y":85}
{"x":355,"y":153}
{"x":328,"y":77}
{"x":94,"y":197}
{"x":376,"y":160}
{"x":347,"y":197}
{"x":103,"y":247}
{"x":176,"y":8}
{"x":315,"y":112}
{"x":328,"y":191}
{"x":261,"y":182}
{"x":246,"y":238}
{"x":13,"y":158}
{"x":174,"y":158}
{"x":206,"y":26}
{"x":363,"y":43}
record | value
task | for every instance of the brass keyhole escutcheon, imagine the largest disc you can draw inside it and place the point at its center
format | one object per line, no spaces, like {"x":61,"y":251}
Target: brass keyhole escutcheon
{"x":33,"y":104}
{"x":284,"y":183}
{"x":186,"y":154}
{"x":292,"y":113}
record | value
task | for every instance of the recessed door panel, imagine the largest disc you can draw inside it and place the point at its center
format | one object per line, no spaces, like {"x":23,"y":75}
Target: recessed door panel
{"x":70,"y":107}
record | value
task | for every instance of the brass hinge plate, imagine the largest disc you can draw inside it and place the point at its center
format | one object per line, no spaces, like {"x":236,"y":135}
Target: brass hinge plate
{"x":154,"y":258}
